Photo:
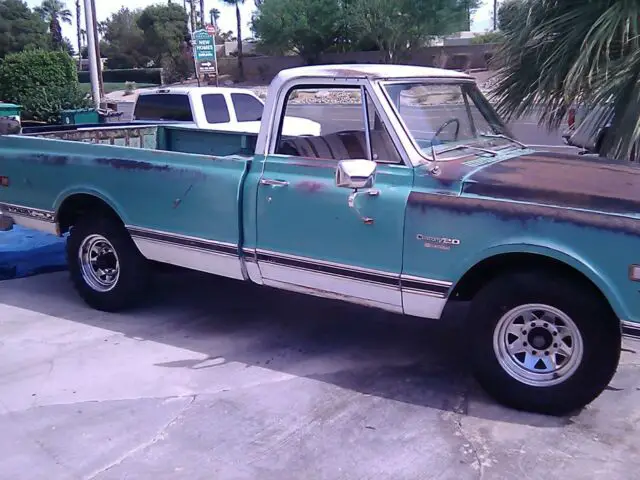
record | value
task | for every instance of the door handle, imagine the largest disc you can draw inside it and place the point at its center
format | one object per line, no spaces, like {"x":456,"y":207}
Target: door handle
{"x":273,"y":183}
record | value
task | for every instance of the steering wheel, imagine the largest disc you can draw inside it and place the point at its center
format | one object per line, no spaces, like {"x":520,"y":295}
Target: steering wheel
{"x":444,"y":125}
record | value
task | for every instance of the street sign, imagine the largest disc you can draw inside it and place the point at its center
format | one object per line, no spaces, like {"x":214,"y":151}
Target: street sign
{"x":204,"y":47}
{"x":211,"y":30}
{"x":204,"y":53}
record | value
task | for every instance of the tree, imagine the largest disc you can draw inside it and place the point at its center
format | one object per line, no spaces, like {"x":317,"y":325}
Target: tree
{"x":214,"y":14}
{"x":399,"y":26}
{"x":54,"y":12}
{"x":312,"y":27}
{"x":202,"y":14}
{"x":574,"y":51}
{"x":79,"y":29}
{"x":124,"y":43}
{"x":166,"y":39}
{"x":306,"y":27}
{"x":20,"y":28}
{"x":237,"y":4}
{"x":510,"y":12}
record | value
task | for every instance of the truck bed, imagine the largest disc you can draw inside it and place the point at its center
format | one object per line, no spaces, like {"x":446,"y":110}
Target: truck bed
{"x":177,"y":180}
{"x":170,"y":138}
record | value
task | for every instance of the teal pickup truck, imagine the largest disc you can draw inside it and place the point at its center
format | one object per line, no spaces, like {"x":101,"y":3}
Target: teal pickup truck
{"x":412,"y":196}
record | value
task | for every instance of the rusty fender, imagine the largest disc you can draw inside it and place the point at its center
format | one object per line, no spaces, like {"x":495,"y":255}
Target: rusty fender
{"x":519,"y":212}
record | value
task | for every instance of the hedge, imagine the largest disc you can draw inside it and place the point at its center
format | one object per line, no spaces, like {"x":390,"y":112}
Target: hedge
{"x":138,"y":75}
{"x":42,"y":82}
{"x":31,"y":69}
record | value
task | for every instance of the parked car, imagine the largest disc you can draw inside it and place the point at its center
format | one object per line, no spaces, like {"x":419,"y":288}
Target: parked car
{"x":414,"y":197}
{"x":588,"y":131}
{"x":213,"y":108}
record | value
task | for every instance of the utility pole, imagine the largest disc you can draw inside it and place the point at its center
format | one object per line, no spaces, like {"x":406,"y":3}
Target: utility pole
{"x":91,"y":50}
{"x":94,"y":26}
{"x":495,"y":15}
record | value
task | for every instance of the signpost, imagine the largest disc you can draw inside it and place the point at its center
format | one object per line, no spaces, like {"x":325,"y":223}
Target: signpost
{"x":204,"y":52}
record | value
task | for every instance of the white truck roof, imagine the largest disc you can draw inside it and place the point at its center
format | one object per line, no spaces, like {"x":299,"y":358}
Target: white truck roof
{"x":377,"y":71}
{"x":195,"y":89}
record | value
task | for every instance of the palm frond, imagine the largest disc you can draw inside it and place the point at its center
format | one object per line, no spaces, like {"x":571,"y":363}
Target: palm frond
{"x":574,"y":51}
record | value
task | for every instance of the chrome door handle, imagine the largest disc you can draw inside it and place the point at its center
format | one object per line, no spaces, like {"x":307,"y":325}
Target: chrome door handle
{"x":273,"y":183}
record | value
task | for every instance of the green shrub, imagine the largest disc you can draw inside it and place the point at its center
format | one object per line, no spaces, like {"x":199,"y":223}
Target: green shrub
{"x":176,"y":68}
{"x":45,"y":103}
{"x":129,"y":88}
{"x":138,"y":75}
{"x":43,"y":82}
{"x":488,"y":37}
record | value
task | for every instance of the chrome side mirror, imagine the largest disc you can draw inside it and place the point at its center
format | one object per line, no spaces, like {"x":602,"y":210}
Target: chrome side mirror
{"x":356,"y":174}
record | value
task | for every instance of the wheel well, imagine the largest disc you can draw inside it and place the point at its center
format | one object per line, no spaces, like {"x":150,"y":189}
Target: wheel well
{"x":492,"y":267}
{"x":77,"y":205}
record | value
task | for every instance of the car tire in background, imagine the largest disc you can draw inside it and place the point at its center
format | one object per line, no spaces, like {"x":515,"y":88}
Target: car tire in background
{"x":543,"y":343}
{"x":107,"y":269}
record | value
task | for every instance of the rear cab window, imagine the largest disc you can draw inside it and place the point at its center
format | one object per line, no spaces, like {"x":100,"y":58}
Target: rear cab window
{"x":163,"y":106}
{"x":215,"y":108}
{"x":247,"y":107}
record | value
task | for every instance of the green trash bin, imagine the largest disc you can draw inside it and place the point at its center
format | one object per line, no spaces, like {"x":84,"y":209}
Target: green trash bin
{"x":79,"y":116}
{"x":10,"y":110}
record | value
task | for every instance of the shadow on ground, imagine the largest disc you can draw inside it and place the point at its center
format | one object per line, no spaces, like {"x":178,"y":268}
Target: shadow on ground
{"x":367,"y":351}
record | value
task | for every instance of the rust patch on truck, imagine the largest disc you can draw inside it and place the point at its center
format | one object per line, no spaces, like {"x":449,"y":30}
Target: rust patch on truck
{"x":43,"y":159}
{"x":561,"y":179}
{"x":125,"y":164}
{"x":310,"y":186}
{"x":523,"y":213}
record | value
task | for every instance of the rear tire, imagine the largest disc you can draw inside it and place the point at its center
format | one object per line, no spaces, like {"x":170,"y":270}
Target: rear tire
{"x":107,"y":269}
{"x":543,"y":343}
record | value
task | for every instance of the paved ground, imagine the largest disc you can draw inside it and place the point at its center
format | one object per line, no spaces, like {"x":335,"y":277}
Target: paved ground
{"x":214,"y":379}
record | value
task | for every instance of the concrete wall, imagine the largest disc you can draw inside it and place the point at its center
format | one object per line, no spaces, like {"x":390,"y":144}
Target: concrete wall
{"x":458,"y":57}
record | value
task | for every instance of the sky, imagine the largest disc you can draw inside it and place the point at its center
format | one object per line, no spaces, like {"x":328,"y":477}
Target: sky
{"x":227,"y":20}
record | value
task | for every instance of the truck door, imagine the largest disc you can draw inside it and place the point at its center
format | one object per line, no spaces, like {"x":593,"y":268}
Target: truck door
{"x":309,"y":238}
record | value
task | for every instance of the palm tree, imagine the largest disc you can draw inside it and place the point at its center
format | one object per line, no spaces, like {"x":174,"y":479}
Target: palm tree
{"x":560,"y":53}
{"x":237,"y":4}
{"x":202,"y":17}
{"x":54,"y":12}
{"x":214,"y":13}
{"x":79,"y":32}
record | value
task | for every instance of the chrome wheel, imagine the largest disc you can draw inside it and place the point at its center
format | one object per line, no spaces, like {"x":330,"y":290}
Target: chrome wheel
{"x":99,"y":263}
{"x":538,"y":345}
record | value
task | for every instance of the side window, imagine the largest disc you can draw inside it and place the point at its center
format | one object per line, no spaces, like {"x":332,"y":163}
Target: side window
{"x":163,"y":106}
{"x":338,"y":114}
{"x":215,"y":108}
{"x":247,"y":107}
{"x":383,"y":150}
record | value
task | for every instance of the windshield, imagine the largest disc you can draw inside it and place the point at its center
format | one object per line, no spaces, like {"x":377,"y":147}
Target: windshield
{"x":447,"y":115}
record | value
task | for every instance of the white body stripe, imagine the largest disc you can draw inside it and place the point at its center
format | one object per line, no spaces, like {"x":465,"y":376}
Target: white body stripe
{"x":193,"y":258}
{"x":423,"y":304}
{"x":332,"y":286}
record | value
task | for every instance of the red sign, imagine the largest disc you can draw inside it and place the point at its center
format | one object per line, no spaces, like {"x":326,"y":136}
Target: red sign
{"x":211,"y":30}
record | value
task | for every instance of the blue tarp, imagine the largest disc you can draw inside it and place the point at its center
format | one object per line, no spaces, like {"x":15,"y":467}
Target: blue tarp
{"x":25,"y":252}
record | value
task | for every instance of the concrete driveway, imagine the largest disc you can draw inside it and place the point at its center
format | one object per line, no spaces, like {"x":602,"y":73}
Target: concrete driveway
{"x":214,"y":379}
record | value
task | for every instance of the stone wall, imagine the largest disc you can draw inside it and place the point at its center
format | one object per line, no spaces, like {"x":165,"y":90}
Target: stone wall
{"x":458,"y":57}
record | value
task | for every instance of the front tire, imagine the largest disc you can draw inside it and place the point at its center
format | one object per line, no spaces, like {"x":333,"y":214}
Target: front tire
{"x":107,"y":269}
{"x":543,"y":343}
